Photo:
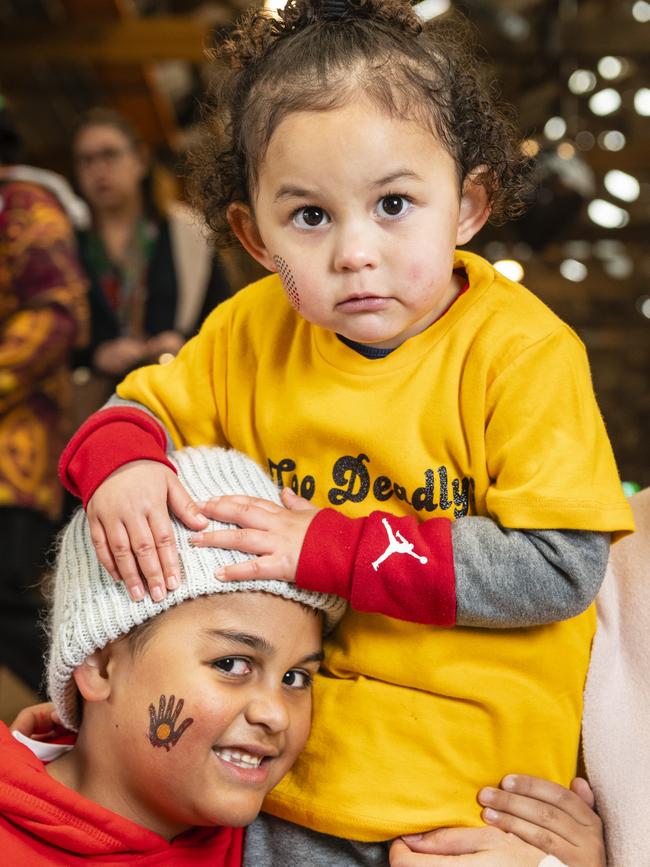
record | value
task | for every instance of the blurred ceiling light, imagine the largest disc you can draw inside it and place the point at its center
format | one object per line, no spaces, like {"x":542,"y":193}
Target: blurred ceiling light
{"x":273,"y":5}
{"x":619,"y":267}
{"x":611,"y":67}
{"x":643,"y":306}
{"x":606,"y":101}
{"x":566,"y":151}
{"x":428,"y":9}
{"x":555,"y":128}
{"x":582,"y":81}
{"x":641,"y":11}
{"x":585,"y":140}
{"x":530,"y":147}
{"x":612,"y":140}
{"x":607,"y":215}
{"x":510,"y":268}
{"x":642,"y":101}
{"x":622,"y":185}
{"x":573,"y":270}
{"x":514,"y":26}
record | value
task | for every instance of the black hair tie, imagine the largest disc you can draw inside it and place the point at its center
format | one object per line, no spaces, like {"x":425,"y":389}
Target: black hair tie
{"x":333,"y":9}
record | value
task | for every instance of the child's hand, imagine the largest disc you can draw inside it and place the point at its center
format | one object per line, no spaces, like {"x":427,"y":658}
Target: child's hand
{"x":131,"y":529}
{"x":275,"y":533}
{"x":558,"y":820}
{"x":464,"y":847}
{"x":37,"y":721}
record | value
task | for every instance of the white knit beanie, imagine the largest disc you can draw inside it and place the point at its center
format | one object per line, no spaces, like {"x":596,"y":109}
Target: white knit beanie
{"x":91,"y":609}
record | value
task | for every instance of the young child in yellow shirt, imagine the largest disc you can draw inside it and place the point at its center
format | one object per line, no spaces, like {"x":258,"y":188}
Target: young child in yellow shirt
{"x":436,"y":419}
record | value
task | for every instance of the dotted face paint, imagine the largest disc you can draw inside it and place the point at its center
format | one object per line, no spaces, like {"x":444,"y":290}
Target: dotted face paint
{"x":288,"y":283}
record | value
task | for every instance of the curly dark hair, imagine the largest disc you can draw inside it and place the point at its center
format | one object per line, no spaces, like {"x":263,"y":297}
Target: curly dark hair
{"x":308,"y":60}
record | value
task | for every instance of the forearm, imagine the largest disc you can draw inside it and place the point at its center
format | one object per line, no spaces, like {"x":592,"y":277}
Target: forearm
{"x":468,"y":573}
{"x":512,"y":578}
{"x":110,"y":438}
{"x":117,"y":402}
{"x":382,"y":564}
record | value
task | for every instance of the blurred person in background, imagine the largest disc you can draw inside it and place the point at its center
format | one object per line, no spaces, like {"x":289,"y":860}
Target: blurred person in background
{"x":43,"y":317}
{"x":153,"y":276}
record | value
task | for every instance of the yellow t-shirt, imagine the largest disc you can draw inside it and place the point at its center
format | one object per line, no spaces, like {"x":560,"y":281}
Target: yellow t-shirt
{"x":489,"y":411}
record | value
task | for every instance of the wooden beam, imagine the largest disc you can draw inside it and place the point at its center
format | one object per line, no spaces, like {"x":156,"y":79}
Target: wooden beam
{"x":130,"y":40}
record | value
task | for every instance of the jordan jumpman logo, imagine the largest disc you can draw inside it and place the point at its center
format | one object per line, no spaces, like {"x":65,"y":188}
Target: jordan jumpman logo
{"x":397,"y":545}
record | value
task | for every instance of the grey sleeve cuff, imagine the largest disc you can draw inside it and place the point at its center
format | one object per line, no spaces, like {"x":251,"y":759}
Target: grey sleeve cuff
{"x":511,"y":578}
{"x":116,"y":400}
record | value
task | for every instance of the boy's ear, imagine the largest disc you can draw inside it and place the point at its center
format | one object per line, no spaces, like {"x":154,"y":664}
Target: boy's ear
{"x":243,"y":224}
{"x":93,"y":678}
{"x":474,"y":207}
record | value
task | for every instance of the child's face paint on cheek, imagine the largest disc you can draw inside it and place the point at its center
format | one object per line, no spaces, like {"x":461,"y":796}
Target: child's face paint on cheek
{"x":288,"y":282}
{"x":162,"y":723}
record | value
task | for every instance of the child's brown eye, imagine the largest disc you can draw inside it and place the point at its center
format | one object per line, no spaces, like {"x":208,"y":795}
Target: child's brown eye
{"x":310,"y":217}
{"x":392,"y":206}
{"x":297,"y":679}
{"x":233,"y":665}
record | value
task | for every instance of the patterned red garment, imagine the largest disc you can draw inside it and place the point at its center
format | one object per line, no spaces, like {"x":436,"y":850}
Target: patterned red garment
{"x":43,"y":315}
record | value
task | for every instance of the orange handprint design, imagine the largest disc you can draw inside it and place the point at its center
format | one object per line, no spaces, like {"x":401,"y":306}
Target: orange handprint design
{"x":162,"y":724}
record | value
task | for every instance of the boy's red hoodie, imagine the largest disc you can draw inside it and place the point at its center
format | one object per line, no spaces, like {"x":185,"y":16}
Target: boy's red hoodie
{"x":45,"y":823}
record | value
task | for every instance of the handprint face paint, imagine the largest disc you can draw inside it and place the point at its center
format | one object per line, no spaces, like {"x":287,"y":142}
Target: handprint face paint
{"x":288,"y":281}
{"x":163,"y":728}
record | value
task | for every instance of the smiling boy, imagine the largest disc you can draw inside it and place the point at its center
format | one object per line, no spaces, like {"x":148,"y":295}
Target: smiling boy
{"x":188,"y":712}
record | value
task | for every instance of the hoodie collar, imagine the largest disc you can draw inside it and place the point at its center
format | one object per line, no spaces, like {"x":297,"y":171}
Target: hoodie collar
{"x":40,"y":807}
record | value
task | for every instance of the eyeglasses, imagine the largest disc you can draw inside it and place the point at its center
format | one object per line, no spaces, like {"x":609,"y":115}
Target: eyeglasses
{"x":108,"y":156}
